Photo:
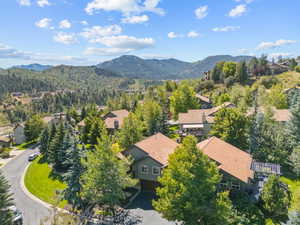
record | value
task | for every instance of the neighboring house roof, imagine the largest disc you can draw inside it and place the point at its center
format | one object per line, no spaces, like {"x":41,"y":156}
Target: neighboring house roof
{"x":200,"y":116}
{"x":192,"y":117}
{"x":81,"y":123}
{"x":203,"y":98}
{"x":47,"y":119}
{"x":158,"y":147}
{"x":5,"y":139}
{"x":231,"y":159}
{"x":280,"y":115}
{"x":214,"y":110}
{"x":120,"y":115}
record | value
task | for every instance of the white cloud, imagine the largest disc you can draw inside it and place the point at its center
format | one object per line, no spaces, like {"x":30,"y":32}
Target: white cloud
{"x":173,"y":35}
{"x":7,"y":52}
{"x":135,"y":19}
{"x":238,"y":11}
{"x":226,"y":28}
{"x":65,"y":24}
{"x":124,"y":6}
{"x":43,"y":3}
{"x":246,"y":1}
{"x":65,"y":38}
{"x":193,"y":34}
{"x":279,"y":43}
{"x":125,"y":42}
{"x":243,"y":51}
{"x":84,"y":23}
{"x":43,"y":23}
{"x":201,"y":12}
{"x":279,"y":54}
{"x":106,"y":51}
{"x":25,"y":2}
{"x":96,"y":32}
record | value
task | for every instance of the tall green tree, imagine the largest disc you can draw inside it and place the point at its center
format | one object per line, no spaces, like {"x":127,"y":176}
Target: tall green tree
{"x":217,"y":72}
{"x":73,"y":190}
{"x":229,"y":69}
{"x":6,"y":216}
{"x":188,"y":191}
{"x":293,"y":126}
{"x":295,"y":160}
{"x":183,"y":99}
{"x":97,"y":128}
{"x":231,"y":126}
{"x":106,"y":176}
{"x":276,"y":198}
{"x":153,"y":117}
{"x":241,"y":72}
{"x":56,"y":145}
{"x":44,"y":141}
{"x":131,"y":131}
{"x":33,"y":127}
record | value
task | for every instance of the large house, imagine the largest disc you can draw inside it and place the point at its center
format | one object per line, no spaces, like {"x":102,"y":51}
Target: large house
{"x":150,"y":157}
{"x":114,"y":119}
{"x":239,"y":170}
{"x":198,"y":122}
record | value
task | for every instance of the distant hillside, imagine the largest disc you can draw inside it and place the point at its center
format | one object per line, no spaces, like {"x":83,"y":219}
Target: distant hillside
{"x":34,"y":67}
{"x":134,"y":67}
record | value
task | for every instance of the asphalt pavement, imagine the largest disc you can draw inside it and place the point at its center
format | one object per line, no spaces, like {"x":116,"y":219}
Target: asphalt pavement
{"x":33,"y":211}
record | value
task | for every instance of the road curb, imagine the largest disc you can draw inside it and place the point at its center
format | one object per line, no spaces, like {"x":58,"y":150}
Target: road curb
{"x":23,"y":152}
{"x":28,"y":193}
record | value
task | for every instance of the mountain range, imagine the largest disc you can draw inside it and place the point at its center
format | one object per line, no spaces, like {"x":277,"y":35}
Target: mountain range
{"x":133,"y":67}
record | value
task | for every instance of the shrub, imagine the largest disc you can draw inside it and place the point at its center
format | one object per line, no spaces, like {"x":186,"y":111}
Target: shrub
{"x":297,"y":69}
{"x":268,"y":82}
{"x":205,"y":85}
{"x":4,"y":153}
{"x":229,"y":81}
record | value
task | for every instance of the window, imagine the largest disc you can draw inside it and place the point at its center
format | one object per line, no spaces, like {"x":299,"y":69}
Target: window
{"x":235,"y":185}
{"x":155,"y":170}
{"x":145,"y":169}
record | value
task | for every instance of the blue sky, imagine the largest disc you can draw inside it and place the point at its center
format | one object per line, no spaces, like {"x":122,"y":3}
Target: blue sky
{"x":85,"y":32}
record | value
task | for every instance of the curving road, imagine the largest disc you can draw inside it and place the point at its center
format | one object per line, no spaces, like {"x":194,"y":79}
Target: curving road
{"x":33,"y":211}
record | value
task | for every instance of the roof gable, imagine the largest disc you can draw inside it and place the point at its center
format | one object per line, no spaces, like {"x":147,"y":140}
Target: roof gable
{"x":158,"y":147}
{"x":232,"y":160}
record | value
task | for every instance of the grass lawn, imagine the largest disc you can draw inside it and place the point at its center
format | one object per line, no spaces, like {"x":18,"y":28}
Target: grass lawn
{"x":25,"y":145}
{"x":294,"y":186}
{"x":41,"y":183}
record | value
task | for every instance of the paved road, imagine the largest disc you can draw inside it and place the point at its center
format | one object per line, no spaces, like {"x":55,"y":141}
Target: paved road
{"x":32,"y":211}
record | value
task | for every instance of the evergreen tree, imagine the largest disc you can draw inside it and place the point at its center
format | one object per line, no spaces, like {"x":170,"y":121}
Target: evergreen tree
{"x":293,"y":126}
{"x":106,"y":176}
{"x":131,"y":131}
{"x":97,"y":128}
{"x":6,"y":216}
{"x":72,"y":192}
{"x":44,"y":141}
{"x":153,"y":117}
{"x":188,"y":191}
{"x":229,"y":69}
{"x":56,"y":145}
{"x":295,"y":160}
{"x":276,"y":198}
{"x":241,"y":72}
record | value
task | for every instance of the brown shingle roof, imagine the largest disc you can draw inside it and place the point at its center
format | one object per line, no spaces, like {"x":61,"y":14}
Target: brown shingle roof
{"x":232,"y":160}
{"x":120,"y":115}
{"x":280,"y":115}
{"x":158,"y":147}
{"x":203,"y":98}
{"x":192,"y":116}
{"x":214,"y":110}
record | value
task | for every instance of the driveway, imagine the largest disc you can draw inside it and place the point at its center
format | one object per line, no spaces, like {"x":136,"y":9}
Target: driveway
{"x":33,"y":211}
{"x":142,"y":207}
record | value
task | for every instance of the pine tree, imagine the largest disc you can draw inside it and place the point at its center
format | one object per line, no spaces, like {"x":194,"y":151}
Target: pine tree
{"x":72,"y":192}
{"x":97,"y":128}
{"x":5,"y":202}
{"x":44,"y":141}
{"x":293,"y":126}
{"x":241,"y":72}
{"x":188,"y":191}
{"x":56,"y":146}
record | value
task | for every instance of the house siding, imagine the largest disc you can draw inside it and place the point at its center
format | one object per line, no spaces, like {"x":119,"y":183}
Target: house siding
{"x":150,"y":163}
